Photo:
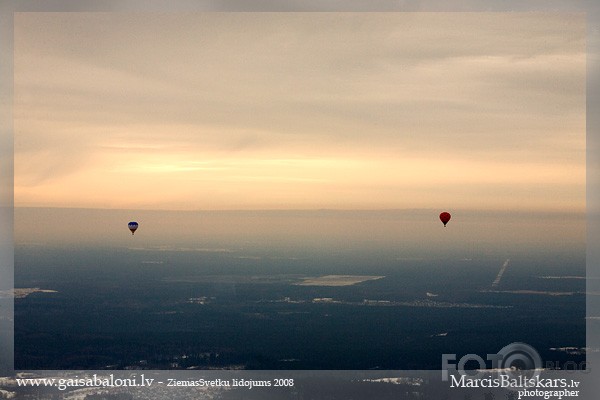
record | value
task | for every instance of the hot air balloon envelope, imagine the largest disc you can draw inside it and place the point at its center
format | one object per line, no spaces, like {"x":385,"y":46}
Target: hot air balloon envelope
{"x":132,"y":226}
{"x":445,"y":217}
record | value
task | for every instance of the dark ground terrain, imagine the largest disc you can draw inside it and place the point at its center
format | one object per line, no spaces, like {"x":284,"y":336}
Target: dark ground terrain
{"x":121,"y":308}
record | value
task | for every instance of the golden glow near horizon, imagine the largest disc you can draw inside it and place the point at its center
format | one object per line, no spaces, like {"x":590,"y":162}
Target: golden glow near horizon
{"x":293,"y":110}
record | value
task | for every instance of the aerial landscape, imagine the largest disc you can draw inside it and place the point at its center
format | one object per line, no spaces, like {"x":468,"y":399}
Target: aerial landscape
{"x":358,"y":301}
{"x":232,"y":191}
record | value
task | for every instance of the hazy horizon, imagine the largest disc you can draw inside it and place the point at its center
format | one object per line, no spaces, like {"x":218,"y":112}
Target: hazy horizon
{"x":406,"y":233}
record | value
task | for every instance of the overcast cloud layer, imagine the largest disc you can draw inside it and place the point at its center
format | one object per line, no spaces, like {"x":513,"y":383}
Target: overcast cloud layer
{"x":315,"y":110}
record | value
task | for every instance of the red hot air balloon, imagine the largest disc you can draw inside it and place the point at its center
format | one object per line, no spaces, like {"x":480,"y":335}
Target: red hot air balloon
{"x":445,"y":217}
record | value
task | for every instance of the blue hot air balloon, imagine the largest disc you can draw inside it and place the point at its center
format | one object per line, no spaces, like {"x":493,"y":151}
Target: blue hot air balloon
{"x":132,"y":226}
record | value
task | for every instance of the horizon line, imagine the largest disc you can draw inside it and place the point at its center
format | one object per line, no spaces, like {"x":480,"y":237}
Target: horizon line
{"x":449,"y":209}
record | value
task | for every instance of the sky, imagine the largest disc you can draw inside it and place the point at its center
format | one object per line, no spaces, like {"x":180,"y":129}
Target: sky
{"x":225,"y":111}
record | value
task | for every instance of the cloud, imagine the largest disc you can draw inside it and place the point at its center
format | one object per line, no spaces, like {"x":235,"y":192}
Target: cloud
{"x":157,"y":93}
